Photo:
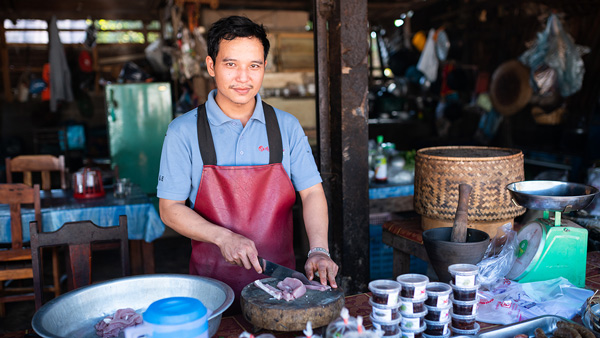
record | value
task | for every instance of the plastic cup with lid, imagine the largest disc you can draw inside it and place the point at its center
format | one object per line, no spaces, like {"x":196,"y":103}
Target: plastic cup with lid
{"x":413,"y":285}
{"x":389,"y":327}
{"x":463,"y":322}
{"x":432,"y":336}
{"x":437,"y":328}
{"x":415,"y":332}
{"x":468,"y":293}
{"x":438,"y":314}
{"x":413,"y":307}
{"x":385,"y":313}
{"x":438,"y":294}
{"x":181,"y":317}
{"x":385,"y":292}
{"x":458,"y":332}
{"x":464,"y":307}
{"x":464,"y":275}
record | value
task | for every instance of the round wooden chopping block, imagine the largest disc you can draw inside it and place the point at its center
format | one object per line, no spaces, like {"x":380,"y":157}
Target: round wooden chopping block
{"x":264,"y":311}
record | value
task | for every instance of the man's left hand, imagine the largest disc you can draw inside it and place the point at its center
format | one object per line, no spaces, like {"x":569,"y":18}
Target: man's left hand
{"x":321,"y":263}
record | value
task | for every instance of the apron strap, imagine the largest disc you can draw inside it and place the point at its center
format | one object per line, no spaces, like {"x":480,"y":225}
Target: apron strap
{"x":207,"y":146}
{"x":273,"y":134}
{"x":205,"y":140}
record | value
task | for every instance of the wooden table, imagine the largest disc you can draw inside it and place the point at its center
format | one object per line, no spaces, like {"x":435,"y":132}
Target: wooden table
{"x":358,"y":305}
{"x":59,"y":206}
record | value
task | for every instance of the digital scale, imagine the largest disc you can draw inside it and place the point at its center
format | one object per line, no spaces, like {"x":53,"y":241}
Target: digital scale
{"x":551,"y":247}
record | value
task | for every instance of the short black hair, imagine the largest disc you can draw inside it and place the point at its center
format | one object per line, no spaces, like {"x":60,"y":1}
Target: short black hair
{"x":232,"y":27}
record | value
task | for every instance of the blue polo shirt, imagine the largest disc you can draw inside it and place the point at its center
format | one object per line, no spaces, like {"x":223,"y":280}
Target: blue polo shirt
{"x":235,"y":145}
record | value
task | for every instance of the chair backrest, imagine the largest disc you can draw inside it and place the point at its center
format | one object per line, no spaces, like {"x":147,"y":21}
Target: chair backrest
{"x":78,"y":236}
{"x":16,"y":194}
{"x":27,"y":164}
{"x":17,"y":258}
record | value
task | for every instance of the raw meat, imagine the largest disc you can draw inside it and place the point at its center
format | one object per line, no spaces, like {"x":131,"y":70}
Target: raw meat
{"x":290,"y":288}
{"x":277,"y":294}
{"x":317,"y":286}
{"x":110,"y":326}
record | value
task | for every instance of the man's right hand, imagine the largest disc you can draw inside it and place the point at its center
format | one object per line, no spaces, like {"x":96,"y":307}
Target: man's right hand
{"x":239,"y":250}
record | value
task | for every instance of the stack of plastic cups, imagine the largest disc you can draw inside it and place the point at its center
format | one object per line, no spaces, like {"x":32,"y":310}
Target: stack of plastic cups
{"x":413,"y":309}
{"x":385,"y":304}
{"x":438,"y":310}
{"x":464,"y":299}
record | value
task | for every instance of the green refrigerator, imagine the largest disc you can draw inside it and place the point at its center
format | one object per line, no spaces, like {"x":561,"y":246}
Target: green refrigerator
{"x":138,"y":116}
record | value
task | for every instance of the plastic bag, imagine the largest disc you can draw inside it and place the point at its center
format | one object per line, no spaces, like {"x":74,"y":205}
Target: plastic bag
{"x":131,"y":73}
{"x":498,"y":258}
{"x":428,"y":62}
{"x":556,"y":49}
{"x":513,"y":302}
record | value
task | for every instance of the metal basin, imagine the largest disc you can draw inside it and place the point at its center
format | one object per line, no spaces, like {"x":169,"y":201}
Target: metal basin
{"x":552,"y":195}
{"x":75,"y":313}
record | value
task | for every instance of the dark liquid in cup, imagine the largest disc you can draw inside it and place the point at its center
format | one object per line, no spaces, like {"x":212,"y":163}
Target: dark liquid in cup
{"x":435,"y":330}
{"x":463,"y":310}
{"x":465,"y":295}
{"x":463,"y":324}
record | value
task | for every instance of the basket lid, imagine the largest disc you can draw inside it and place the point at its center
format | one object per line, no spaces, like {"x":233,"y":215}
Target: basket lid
{"x":471,"y":152}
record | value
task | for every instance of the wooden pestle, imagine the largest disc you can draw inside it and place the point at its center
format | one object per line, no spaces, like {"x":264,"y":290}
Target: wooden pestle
{"x":459,"y":230}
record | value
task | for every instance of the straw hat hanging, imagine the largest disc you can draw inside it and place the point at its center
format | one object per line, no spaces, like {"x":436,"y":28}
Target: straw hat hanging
{"x":510,"y":89}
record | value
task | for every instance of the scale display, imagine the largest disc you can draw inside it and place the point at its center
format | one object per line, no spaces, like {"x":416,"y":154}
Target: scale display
{"x":551,"y":247}
{"x":531,"y":240}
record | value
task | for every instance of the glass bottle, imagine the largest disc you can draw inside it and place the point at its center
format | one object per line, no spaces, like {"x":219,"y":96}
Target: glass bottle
{"x":381,"y":165}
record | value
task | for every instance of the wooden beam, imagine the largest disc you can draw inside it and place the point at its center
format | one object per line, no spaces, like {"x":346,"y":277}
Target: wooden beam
{"x":121,"y":58}
{"x":115,"y":13}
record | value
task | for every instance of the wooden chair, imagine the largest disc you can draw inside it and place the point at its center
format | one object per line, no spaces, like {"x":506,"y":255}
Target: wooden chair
{"x":79,"y":237}
{"x":16,"y":260}
{"x":45,"y":164}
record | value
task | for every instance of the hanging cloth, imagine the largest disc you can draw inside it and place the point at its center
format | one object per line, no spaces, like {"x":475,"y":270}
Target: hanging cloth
{"x":60,"y":75}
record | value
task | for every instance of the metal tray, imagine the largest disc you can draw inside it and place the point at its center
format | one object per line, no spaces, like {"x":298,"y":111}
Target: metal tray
{"x":551,"y":195}
{"x":546,"y":323}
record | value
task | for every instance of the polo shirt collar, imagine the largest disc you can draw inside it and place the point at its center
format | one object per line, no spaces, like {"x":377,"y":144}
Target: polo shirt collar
{"x":217,"y":117}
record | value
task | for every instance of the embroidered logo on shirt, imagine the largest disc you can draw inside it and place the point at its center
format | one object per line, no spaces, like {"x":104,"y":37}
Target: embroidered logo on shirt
{"x":263,"y":148}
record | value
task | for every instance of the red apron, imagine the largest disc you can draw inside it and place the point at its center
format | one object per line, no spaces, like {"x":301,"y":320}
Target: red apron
{"x":253,"y":201}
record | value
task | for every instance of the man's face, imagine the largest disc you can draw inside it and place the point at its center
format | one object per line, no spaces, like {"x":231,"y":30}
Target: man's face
{"x":238,"y":71}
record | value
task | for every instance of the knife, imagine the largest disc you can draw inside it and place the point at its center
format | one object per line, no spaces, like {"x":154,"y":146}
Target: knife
{"x":280,"y":271}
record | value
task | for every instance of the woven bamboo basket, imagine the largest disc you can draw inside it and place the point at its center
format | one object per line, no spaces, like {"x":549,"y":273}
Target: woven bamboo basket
{"x":439,"y":171}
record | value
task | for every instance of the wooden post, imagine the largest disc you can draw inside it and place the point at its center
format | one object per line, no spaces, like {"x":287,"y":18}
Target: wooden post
{"x":96,"y":69}
{"x":5,"y":67}
{"x":343,"y":128}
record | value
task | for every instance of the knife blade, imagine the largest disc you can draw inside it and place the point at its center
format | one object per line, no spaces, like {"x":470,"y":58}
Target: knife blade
{"x":281,"y":272}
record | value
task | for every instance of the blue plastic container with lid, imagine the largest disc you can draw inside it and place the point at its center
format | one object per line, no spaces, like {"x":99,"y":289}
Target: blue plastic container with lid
{"x":181,"y":317}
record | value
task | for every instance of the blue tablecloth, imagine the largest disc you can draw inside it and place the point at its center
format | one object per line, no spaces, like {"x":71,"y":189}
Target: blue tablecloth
{"x":379,"y":191}
{"x":59,"y":207}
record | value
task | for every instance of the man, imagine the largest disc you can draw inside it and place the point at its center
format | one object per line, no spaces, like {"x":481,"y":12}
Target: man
{"x":238,"y":161}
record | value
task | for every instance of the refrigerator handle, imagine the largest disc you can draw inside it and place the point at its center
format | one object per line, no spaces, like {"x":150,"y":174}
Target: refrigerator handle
{"x":112,"y":104}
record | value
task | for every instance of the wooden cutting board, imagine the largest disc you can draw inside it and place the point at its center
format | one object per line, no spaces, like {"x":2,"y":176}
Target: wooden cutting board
{"x":266,"y":312}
